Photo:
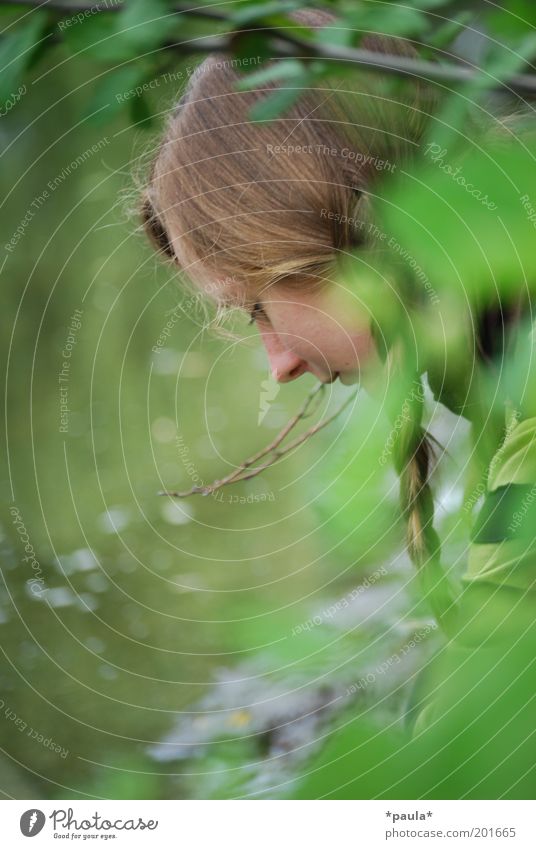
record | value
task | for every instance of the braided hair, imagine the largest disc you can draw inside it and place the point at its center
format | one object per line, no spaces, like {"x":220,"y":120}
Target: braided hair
{"x":412,"y":458}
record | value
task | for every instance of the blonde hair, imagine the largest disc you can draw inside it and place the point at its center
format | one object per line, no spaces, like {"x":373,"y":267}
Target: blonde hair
{"x":250,"y":214}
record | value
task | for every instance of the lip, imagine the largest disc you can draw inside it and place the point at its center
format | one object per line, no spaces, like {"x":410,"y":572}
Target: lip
{"x":335,"y":376}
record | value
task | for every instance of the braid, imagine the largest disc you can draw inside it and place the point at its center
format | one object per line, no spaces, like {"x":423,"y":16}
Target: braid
{"x":412,"y":455}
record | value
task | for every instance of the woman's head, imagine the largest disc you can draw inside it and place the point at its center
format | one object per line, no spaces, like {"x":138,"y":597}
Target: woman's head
{"x":260,"y":212}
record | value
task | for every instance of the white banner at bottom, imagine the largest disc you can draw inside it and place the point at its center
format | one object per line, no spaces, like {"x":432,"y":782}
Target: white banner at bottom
{"x":267,"y":824}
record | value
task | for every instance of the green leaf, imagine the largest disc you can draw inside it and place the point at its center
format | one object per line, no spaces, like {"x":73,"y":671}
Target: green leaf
{"x":421,"y":5}
{"x":357,"y":761}
{"x":44,"y":45}
{"x":283,"y":98}
{"x":144,"y":24}
{"x":517,"y":19}
{"x":16,"y":51}
{"x":139,"y":27}
{"x":259,"y":11}
{"x":98,"y":38}
{"x":469,"y":746}
{"x":429,"y":4}
{"x":275,"y":104}
{"x":501,"y":63}
{"x":114,"y":91}
{"x":248,"y":45}
{"x":293,"y":75}
{"x":466,"y":219}
{"x":447,"y":32}
{"x":285,"y":69}
{"x":338,"y":35}
{"x":506,"y":60}
{"x":140,"y":112}
{"x":388,"y":20}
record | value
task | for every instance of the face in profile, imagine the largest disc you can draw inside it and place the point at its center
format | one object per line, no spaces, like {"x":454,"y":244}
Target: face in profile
{"x":322,"y":331}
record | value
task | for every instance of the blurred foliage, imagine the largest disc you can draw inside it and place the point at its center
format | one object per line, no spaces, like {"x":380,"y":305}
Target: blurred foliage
{"x":134,"y":41}
{"x":478,"y":742}
{"x":174,"y":658}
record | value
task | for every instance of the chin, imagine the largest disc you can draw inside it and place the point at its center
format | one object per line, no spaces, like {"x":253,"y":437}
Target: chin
{"x":349,"y":377}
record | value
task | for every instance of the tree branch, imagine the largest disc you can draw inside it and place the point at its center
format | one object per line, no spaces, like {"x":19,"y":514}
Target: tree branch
{"x":284,"y":44}
{"x":244,"y":472}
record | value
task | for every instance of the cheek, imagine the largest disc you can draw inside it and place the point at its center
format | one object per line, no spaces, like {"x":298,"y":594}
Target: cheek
{"x":306,"y":335}
{"x":341,"y":348}
{"x":316,"y":335}
{"x":346,"y":337}
{"x":362,"y":344}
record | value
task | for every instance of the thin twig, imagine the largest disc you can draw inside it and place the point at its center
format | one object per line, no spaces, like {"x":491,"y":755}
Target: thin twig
{"x":241,"y":473}
{"x":303,"y":413}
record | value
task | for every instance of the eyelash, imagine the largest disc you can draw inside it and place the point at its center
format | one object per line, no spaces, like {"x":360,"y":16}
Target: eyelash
{"x":255,"y":313}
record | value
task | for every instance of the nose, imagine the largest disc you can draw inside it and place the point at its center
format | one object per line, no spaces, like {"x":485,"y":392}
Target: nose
{"x":285,"y":364}
{"x":288,"y":367}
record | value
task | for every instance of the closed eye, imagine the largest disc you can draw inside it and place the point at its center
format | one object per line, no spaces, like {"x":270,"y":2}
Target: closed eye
{"x":258,"y":313}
